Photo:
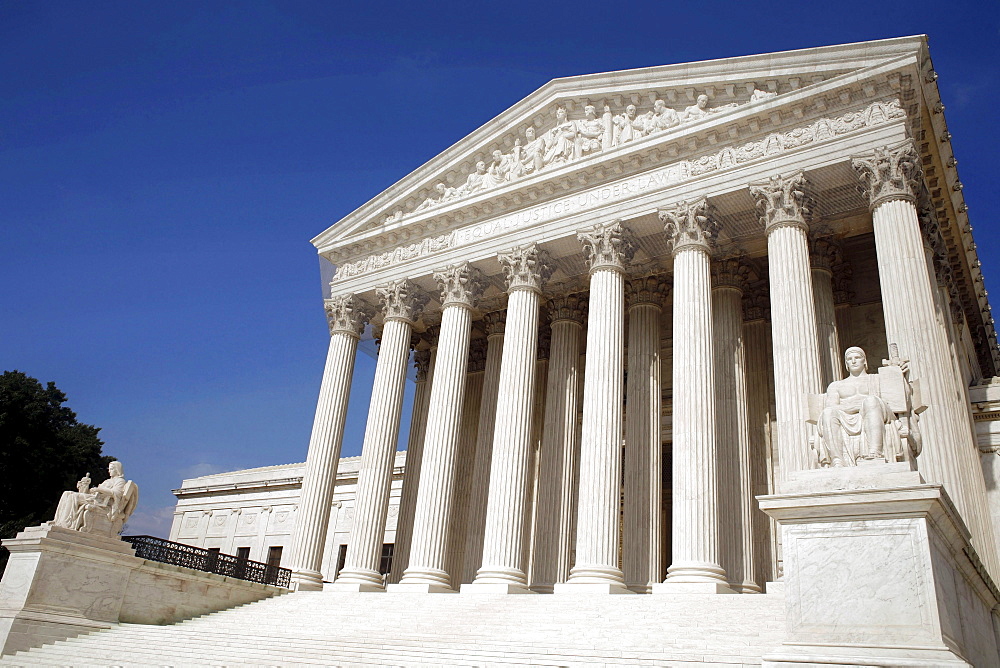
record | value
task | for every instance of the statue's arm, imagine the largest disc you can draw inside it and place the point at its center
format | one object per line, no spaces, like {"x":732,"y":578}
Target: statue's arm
{"x":832,"y":397}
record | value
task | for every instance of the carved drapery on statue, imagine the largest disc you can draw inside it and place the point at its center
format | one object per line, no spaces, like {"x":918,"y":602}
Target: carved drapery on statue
{"x":103,"y":509}
{"x":868,"y":418}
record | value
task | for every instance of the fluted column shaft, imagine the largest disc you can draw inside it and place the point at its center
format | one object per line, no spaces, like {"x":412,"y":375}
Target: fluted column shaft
{"x":460,"y":285}
{"x":464,"y":464}
{"x":480,"y":487}
{"x":320,"y":476}
{"x":827,"y":337}
{"x":553,"y":548}
{"x":910,"y":321}
{"x":504,"y":533}
{"x":414,"y":457}
{"x":364,"y":547}
{"x":642,"y":557}
{"x":733,"y":438}
{"x":695,"y":544}
{"x":601,"y":437}
{"x":758,"y":367}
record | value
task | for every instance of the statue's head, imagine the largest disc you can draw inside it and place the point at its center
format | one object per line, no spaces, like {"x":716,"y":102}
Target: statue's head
{"x":702,"y":101}
{"x":855,"y":360}
{"x":630,"y":111}
{"x":658,"y":106}
{"x":481,"y":167}
{"x":561,"y":114}
{"x":497,"y":155}
{"x":530,"y":134}
{"x":115,"y":469}
{"x":440,"y":188}
{"x":590,"y":110}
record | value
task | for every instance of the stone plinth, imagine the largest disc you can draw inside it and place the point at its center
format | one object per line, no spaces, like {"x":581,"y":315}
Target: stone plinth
{"x":880,"y":576}
{"x":61,"y":583}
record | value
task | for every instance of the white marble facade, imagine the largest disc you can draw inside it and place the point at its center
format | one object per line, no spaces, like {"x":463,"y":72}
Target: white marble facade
{"x":258,"y":509}
{"x":620,"y":295}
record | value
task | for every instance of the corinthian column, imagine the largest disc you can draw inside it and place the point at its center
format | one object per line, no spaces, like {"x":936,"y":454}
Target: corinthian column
{"x":891,"y":176}
{"x":480,"y":487}
{"x":346,"y":315}
{"x":423,"y":360}
{"x":691,"y":230}
{"x":609,"y":249}
{"x":460,"y":286}
{"x":642,"y":555}
{"x":824,"y":255}
{"x":526,"y":269}
{"x":400,"y":302}
{"x":554,"y":516}
{"x":785,"y":208}
{"x":732,"y":425}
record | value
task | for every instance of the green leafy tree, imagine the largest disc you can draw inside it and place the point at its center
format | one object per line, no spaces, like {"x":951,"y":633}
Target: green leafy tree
{"x":43,"y":452}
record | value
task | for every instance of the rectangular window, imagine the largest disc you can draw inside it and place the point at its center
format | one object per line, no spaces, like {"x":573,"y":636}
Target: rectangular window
{"x":385,"y":561}
{"x":341,"y":558}
{"x":243,"y":553}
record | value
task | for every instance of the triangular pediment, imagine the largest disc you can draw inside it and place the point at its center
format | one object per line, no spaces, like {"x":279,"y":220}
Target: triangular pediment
{"x":604,"y":118}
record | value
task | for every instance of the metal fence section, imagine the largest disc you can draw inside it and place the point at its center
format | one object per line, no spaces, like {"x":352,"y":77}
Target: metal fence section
{"x":209,"y":561}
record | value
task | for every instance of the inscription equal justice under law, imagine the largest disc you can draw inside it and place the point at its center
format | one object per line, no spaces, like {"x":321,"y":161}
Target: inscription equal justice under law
{"x":876,"y":113}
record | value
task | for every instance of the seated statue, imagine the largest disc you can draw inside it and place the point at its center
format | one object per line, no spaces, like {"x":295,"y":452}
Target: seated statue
{"x":102,"y":509}
{"x":868,"y":417}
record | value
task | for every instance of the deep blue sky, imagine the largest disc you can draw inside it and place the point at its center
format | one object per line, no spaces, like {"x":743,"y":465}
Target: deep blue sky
{"x":164,"y":165}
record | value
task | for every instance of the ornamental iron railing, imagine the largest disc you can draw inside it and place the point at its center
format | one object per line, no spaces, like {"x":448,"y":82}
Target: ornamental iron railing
{"x":209,"y":561}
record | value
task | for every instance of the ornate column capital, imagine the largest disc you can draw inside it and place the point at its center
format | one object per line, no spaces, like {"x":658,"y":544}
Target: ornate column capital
{"x":477,"y":355}
{"x":607,"y":246}
{"x":526,"y":268}
{"x":401,"y":300}
{"x":347,"y":314}
{"x":825,"y":253}
{"x":431,"y":334}
{"x":783,"y":201}
{"x":733,"y":272}
{"x":460,"y":284}
{"x":757,"y":301}
{"x":842,"y":275}
{"x":889,"y":172}
{"x":568,"y":307}
{"x":690,"y":225}
{"x":647,"y":290}
{"x":422,"y":362}
{"x":930,"y":230}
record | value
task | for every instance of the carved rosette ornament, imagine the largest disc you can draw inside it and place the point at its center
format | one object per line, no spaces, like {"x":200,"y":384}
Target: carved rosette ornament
{"x":783,"y":201}
{"x":568,"y":307}
{"x":526,"y":268}
{"x":690,"y":225}
{"x":731,"y":273}
{"x":825,"y":253}
{"x":477,"y":355}
{"x":652,"y":290}
{"x":608,"y":246}
{"x":460,"y":284}
{"x":494,"y":322}
{"x":890,"y":172}
{"x":401,"y":300}
{"x":346,"y":314}
{"x":422,"y":362}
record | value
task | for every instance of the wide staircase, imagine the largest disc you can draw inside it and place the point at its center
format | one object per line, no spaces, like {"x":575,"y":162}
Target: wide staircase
{"x":347,"y":629}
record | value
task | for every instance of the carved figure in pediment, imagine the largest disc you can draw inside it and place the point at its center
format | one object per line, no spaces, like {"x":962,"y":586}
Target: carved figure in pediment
{"x":661,"y":118}
{"x":476,"y":181}
{"x":589,"y":132}
{"x":869,"y":417}
{"x":560,"y":141}
{"x":697,"y":110}
{"x":757,"y":95}
{"x":628,"y":126}
{"x":444,"y":193}
{"x":528,"y":158}
{"x":501,"y":169}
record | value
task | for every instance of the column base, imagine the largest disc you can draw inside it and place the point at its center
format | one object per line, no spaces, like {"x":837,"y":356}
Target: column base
{"x":669,"y":587}
{"x":353,"y":587}
{"x":542,"y":588}
{"x":495,"y":588}
{"x":419,"y":588}
{"x":307,"y":580}
{"x":600,"y":588}
{"x":745,"y":587}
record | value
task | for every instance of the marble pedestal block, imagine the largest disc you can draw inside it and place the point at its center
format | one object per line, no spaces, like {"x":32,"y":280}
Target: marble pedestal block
{"x":60,"y":583}
{"x":880,"y":576}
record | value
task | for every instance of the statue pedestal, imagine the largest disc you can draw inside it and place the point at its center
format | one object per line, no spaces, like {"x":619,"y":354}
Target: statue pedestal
{"x":61,"y":583}
{"x":879,"y":576}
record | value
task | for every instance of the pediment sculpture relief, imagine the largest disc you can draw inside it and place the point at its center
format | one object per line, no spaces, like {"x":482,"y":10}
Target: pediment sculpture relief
{"x":868,"y":418}
{"x":103,"y":509}
{"x":569,"y":140}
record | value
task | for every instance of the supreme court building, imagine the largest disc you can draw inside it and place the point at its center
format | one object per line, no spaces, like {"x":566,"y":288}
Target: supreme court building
{"x":625,"y":298}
